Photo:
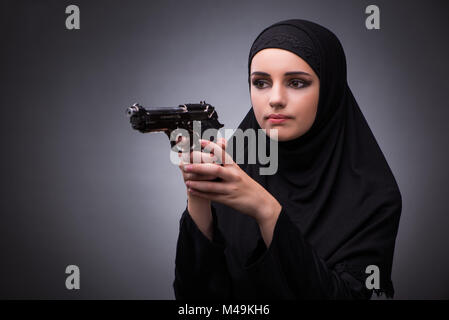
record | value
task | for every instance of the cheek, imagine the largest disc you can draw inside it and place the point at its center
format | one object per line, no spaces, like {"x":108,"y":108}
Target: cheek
{"x":305,"y":110}
{"x":259,"y":102}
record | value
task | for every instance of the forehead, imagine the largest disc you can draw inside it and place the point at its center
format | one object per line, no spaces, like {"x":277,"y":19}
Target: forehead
{"x":275,"y":60}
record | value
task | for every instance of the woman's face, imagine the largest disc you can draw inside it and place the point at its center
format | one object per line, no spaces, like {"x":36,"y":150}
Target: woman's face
{"x":283,"y":84}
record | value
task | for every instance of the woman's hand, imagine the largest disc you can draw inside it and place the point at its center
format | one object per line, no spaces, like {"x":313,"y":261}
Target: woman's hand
{"x":205,"y":157}
{"x":199,"y":208}
{"x":236,"y":189}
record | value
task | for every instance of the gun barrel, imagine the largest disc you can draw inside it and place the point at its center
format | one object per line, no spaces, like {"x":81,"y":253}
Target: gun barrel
{"x":171,"y":118}
{"x":132,"y":110}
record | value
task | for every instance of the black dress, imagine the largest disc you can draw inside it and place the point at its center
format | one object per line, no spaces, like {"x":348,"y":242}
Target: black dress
{"x":289,"y":269}
{"x":341,"y":204}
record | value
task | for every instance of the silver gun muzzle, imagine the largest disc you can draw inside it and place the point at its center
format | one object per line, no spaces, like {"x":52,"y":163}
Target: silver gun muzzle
{"x":131,"y":110}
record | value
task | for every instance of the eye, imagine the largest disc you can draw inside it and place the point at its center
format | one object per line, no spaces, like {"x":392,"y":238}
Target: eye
{"x":258,"y":84}
{"x":299,"y":83}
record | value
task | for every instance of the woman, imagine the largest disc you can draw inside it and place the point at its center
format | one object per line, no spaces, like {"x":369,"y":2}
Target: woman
{"x":328,"y":216}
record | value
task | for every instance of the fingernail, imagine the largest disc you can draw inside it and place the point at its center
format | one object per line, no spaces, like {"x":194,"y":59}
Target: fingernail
{"x":188,"y":167}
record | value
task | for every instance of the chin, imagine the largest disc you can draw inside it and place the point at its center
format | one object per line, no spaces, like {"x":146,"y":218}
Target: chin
{"x":282,"y":135}
{"x":286,"y":138}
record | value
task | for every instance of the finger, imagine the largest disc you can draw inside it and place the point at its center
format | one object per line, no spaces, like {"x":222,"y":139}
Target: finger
{"x":195,"y":176}
{"x":183,"y":148}
{"x":181,"y":165}
{"x":202,"y":157}
{"x":183,"y":143}
{"x":222,"y":142}
{"x":221,"y":155}
{"x":208,"y":186}
{"x":206,"y":195}
{"x":209,"y":169}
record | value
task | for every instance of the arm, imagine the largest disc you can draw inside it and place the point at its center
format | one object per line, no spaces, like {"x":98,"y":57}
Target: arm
{"x":200,"y":211}
{"x":200,"y":267}
{"x":290,"y":268}
{"x":268,"y":213}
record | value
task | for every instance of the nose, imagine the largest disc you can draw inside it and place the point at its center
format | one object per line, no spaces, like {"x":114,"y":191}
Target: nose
{"x":277,"y":96}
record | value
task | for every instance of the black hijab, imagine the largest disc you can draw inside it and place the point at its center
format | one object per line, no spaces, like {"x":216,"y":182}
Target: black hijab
{"x":334,"y":180}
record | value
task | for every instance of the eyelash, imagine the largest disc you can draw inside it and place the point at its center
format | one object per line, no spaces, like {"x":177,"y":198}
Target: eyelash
{"x":303,"y":82}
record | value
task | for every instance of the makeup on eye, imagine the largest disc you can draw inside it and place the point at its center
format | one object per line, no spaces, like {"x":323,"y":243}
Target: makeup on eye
{"x":303,"y":83}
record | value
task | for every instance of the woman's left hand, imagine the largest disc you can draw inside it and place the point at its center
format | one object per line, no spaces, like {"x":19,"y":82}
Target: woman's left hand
{"x":235,"y":189}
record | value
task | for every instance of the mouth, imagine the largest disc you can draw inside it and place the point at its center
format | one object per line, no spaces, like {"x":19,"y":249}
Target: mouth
{"x":277,"y":118}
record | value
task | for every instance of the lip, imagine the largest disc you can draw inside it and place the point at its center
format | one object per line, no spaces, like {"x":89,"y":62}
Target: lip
{"x":276,"y":118}
{"x":275,"y":121}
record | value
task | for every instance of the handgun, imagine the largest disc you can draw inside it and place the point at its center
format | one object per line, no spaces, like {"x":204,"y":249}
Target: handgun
{"x":168,"y":119}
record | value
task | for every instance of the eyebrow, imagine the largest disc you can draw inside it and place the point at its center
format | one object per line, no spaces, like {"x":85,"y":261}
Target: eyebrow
{"x":285,"y":74}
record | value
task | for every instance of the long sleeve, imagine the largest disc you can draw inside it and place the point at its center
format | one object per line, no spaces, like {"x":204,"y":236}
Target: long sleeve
{"x":291,"y":269}
{"x":200,"y":265}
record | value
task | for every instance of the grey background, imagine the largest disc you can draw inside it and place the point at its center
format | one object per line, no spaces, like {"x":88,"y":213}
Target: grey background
{"x":79,"y":186}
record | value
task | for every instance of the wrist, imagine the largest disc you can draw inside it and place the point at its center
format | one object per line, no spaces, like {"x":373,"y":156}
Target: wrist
{"x":200,"y":211}
{"x":268,"y":210}
{"x":198,"y":199}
